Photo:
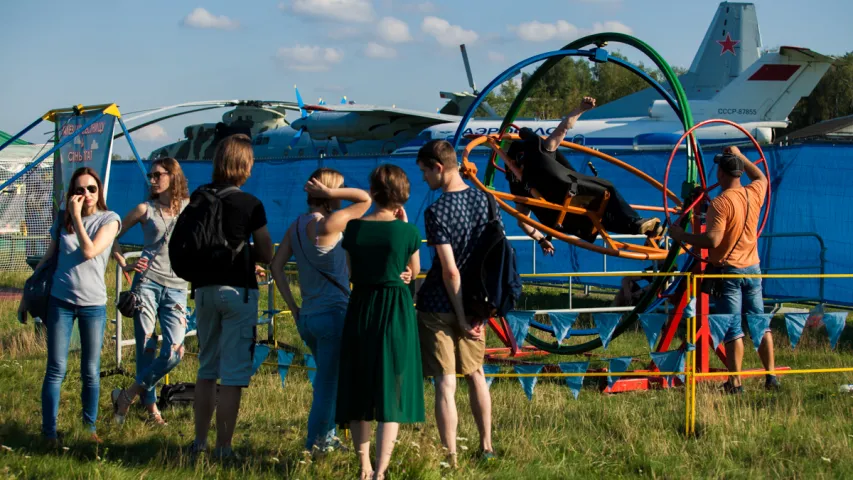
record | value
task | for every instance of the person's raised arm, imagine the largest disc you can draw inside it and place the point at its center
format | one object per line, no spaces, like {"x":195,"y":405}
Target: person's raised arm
{"x":285,"y":251}
{"x":104,"y":237}
{"x":337,"y":221}
{"x":559,"y":133}
{"x":750,"y":169}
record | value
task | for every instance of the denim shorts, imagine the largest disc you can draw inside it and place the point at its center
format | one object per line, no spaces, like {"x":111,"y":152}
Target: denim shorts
{"x":740,"y":296}
{"x":226,"y":333}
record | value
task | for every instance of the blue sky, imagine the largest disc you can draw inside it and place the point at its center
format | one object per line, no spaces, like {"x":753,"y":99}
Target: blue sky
{"x":386,"y":52}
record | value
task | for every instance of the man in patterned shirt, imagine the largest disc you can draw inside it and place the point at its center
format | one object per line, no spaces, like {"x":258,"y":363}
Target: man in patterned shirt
{"x":452,"y":342}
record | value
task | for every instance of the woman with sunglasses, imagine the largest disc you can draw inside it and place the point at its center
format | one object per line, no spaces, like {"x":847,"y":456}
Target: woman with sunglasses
{"x":162,"y":294}
{"x":82,"y":239}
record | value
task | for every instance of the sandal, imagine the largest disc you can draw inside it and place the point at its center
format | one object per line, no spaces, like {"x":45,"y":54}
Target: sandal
{"x":157,"y":419}
{"x":121,"y":404}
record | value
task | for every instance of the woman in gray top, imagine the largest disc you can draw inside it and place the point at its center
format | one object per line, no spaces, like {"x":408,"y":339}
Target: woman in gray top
{"x":315,"y":240}
{"x":163,"y":295}
{"x":82,"y":239}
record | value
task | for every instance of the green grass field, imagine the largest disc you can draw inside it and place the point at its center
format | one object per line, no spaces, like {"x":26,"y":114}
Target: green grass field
{"x":803,"y":431}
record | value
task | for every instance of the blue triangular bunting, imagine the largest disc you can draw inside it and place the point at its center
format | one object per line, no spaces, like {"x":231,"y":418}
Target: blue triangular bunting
{"x":574,"y":383}
{"x":260,"y":354}
{"x":795,"y":323}
{"x":617,"y":365}
{"x":672,"y":361}
{"x":606,"y":323}
{"x":490,"y":370}
{"x":835,"y":322}
{"x":652,"y":324}
{"x":527,"y":383}
{"x":690,"y":309}
{"x":285,"y":359}
{"x":815,"y":318}
{"x":562,"y":323}
{"x":519,"y":322}
{"x":758,"y":324}
{"x":719,"y":325}
{"x":312,"y":367}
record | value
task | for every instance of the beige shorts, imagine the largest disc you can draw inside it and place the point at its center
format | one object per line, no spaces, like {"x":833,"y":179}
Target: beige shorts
{"x":445,"y":349}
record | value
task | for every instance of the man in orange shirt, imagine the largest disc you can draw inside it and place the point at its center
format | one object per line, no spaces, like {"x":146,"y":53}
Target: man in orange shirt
{"x":731,"y":238}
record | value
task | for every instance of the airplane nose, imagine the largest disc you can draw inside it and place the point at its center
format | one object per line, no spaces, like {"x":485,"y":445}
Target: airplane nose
{"x":299,"y":124}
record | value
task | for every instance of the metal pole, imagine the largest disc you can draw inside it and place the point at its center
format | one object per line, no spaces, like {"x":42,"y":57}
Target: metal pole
{"x":21,"y":133}
{"x":271,"y":309}
{"x":118,"y":317}
{"x":132,"y":147}
{"x":56,"y":147}
{"x":534,"y":255}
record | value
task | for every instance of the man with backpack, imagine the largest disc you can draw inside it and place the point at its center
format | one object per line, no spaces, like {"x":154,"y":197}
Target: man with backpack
{"x":210,"y":247}
{"x":452,"y":341}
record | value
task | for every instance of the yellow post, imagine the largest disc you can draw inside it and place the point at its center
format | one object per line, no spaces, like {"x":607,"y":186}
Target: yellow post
{"x":693,"y":363}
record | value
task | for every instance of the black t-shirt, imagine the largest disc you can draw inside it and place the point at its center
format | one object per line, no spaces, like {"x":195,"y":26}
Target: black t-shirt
{"x":242,"y":214}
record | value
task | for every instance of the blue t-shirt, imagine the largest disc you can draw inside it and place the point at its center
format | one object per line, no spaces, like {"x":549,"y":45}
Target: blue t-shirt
{"x":457,"y":219}
{"x":79,"y":281}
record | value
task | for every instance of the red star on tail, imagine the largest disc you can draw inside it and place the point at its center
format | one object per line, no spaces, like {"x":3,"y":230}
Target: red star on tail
{"x":728,"y":45}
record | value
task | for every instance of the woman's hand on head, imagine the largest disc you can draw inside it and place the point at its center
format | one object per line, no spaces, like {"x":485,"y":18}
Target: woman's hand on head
{"x":316,"y":189}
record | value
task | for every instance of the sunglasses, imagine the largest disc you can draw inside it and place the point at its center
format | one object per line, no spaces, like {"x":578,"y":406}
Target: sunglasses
{"x":156,"y":175}
{"x":82,"y":190}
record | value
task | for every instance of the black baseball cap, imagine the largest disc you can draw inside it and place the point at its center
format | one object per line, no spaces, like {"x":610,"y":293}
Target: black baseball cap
{"x":729,"y":163}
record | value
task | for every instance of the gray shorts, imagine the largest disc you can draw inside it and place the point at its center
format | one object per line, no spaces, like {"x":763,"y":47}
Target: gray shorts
{"x":226,"y":334}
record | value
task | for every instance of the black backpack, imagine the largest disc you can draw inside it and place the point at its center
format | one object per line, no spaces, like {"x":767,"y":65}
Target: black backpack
{"x":491,"y":285}
{"x":198,"y":245}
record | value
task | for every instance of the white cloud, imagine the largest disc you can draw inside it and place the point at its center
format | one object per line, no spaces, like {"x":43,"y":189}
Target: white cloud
{"x":562,"y":30}
{"x":201,"y":18}
{"x":151,"y":133}
{"x":447,"y":34}
{"x":357,"y":11}
{"x":424,"y":7}
{"x":611,"y":26}
{"x":309,"y":58}
{"x":496,"y":57}
{"x":542,"y":32}
{"x":374,"y":50}
{"x":344,"y":32}
{"x":393,"y":30}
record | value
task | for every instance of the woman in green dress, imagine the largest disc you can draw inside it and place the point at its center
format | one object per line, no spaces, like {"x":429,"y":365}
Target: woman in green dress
{"x":381,"y":377}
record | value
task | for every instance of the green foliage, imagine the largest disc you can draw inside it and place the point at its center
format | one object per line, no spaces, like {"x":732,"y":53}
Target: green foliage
{"x":831,"y":98}
{"x":571,"y":79}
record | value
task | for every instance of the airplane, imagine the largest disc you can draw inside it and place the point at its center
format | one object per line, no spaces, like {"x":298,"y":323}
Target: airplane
{"x":729,"y":78}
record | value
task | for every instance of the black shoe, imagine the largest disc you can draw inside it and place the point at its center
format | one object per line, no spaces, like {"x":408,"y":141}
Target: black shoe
{"x":730,"y":389}
{"x":771,"y":383}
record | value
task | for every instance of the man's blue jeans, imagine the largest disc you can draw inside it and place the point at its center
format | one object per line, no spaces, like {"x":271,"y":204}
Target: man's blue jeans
{"x":740,"y":296}
{"x":170,"y":306}
{"x":59,"y":322}
{"x":322,"y":333}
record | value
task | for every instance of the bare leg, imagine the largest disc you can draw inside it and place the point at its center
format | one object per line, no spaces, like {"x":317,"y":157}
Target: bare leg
{"x":445,"y":411}
{"x":361,"y":443}
{"x":204,"y":404}
{"x":226,"y":414}
{"x":481,"y":407}
{"x":765,"y":351}
{"x":734,"y":358}
{"x":386,"y":433}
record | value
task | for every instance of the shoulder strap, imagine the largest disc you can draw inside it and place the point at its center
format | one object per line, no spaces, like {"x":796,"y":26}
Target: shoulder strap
{"x":328,"y":277}
{"x":745,"y":224}
{"x":224,"y":192}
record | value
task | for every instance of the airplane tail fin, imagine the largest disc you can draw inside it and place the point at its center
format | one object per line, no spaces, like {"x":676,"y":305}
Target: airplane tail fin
{"x":769,"y":89}
{"x":731,"y":45}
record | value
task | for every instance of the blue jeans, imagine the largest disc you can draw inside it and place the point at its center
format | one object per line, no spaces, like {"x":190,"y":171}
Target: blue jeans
{"x":740,"y":296}
{"x":322,"y":333}
{"x":170,"y":306}
{"x":59,"y":322}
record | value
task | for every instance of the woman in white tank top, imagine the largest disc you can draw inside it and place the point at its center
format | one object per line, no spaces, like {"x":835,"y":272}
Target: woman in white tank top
{"x":315,"y":240}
